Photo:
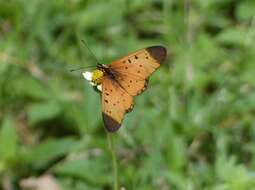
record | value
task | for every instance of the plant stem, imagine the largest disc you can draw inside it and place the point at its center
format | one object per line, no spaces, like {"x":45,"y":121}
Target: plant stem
{"x":111,"y":143}
{"x":187,"y":21}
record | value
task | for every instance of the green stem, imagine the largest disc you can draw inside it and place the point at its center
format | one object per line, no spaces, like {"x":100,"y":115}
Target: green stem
{"x":114,"y":160}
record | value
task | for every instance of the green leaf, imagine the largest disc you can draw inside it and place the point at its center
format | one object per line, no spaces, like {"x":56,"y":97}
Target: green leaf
{"x":8,"y":140}
{"x":67,"y":184}
{"x":40,"y":155}
{"x":245,"y":9}
{"x":234,"y":36}
{"x":32,"y":88}
{"x":39,"y":112}
{"x":93,"y":170}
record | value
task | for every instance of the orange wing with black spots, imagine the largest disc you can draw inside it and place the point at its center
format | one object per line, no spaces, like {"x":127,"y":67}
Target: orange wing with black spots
{"x":128,"y":77}
{"x":115,"y":103}
{"x":133,"y":70}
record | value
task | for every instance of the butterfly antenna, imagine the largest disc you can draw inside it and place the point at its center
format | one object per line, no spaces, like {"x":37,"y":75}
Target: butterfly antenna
{"x":90,"y":51}
{"x":71,"y":70}
{"x":84,"y":43}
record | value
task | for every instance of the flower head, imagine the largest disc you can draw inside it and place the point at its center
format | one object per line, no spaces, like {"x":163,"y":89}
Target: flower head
{"x":93,"y":79}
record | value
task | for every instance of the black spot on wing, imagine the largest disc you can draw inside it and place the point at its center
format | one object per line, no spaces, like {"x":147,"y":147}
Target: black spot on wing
{"x":157,"y":52}
{"x":110,"y":124}
{"x":144,"y":88}
{"x":130,"y":108}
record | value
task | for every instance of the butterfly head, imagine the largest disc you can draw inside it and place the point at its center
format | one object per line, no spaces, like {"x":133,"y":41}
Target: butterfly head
{"x":102,"y":67}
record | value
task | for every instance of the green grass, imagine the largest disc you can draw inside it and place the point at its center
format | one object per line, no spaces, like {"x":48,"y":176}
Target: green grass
{"x":192,"y":129}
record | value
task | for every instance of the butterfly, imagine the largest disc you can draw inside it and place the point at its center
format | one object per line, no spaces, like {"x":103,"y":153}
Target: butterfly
{"x":122,"y":80}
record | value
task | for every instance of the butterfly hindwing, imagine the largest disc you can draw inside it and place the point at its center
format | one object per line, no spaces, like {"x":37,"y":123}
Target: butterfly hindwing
{"x":132,"y":71}
{"x":115,"y":103}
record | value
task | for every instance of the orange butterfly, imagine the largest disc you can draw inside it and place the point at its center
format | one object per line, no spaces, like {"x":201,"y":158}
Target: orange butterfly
{"x":122,"y":80}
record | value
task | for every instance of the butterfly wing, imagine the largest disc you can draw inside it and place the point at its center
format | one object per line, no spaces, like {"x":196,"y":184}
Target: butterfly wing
{"x":115,"y":103}
{"x":132,"y":71}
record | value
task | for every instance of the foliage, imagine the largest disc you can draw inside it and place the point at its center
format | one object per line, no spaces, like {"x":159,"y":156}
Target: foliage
{"x":192,"y":129}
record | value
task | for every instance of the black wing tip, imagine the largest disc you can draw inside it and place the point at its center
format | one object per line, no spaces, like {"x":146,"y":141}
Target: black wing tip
{"x":110,"y":124}
{"x":158,"y":52}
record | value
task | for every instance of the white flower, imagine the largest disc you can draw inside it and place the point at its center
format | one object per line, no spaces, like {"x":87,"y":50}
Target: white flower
{"x":87,"y":75}
{"x":99,"y":87}
{"x":93,"y":84}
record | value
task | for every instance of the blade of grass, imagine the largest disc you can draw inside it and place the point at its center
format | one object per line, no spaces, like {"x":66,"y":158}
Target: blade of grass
{"x":111,"y":143}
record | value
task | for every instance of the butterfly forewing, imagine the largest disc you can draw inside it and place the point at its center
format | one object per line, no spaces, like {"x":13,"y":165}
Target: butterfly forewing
{"x":133,"y":70}
{"x":115,"y":103}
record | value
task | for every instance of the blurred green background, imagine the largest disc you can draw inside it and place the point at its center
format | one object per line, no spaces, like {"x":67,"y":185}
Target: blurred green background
{"x":194,"y":127}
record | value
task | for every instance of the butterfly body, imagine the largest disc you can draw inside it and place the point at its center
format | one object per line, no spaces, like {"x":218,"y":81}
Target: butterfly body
{"x":123,"y":79}
{"x":107,"y":70}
